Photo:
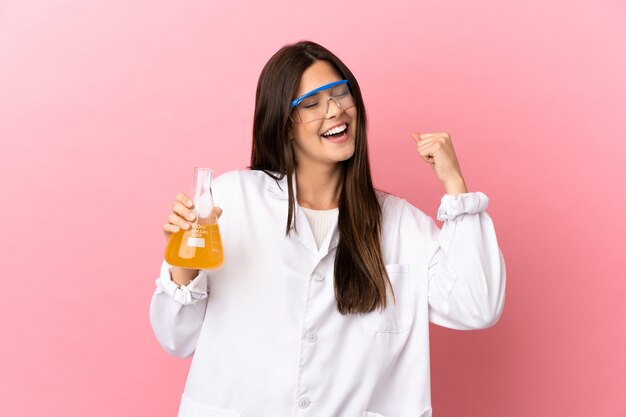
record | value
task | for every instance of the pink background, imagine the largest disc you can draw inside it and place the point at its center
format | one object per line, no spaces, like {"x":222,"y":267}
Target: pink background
{"x":105,"y":107}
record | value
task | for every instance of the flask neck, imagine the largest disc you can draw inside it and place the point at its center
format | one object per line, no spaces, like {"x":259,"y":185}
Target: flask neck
{"x":202,"y":197}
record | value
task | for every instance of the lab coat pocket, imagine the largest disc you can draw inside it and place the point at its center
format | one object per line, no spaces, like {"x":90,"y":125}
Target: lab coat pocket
{"x":396,"y":317}
{"x":191,"y":408}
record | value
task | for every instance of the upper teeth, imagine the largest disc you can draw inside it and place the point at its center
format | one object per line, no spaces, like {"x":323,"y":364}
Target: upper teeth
{"x":335,"y":130}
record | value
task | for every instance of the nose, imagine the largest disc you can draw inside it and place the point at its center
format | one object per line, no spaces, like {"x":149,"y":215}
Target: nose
{"x":332,"y":111}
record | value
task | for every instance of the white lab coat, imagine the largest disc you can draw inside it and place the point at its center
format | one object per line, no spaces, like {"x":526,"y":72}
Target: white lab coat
{"x":264,"y":329}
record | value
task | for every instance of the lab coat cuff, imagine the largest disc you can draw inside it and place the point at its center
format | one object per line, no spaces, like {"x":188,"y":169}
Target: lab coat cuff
{"x":185,"y":294}
{"x":465,"y":203}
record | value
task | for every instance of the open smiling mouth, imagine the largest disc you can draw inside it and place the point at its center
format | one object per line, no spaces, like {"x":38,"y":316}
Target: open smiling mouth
{"x":336,"y":134}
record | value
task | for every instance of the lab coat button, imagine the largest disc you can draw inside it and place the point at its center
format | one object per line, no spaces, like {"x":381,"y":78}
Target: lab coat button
{"x":304,"y":402}
{"x":311,"y":336}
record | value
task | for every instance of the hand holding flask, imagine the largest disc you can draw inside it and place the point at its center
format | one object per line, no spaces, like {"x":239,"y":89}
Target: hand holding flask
{"x":198,"y":246}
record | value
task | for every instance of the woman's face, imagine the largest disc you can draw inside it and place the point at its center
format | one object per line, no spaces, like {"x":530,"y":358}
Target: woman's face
{"x":309,"y":144}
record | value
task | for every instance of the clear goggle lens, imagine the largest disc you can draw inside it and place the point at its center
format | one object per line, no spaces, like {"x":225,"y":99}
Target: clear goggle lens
{"x":316,"y":107}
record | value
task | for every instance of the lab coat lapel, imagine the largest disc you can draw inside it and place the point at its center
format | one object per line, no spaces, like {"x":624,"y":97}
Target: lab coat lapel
{"x":303,"y":231}
{"x":331,"y":240}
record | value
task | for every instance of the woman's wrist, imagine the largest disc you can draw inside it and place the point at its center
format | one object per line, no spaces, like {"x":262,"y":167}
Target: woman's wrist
{"x":183,"y":276}
{"x":455,"y":187}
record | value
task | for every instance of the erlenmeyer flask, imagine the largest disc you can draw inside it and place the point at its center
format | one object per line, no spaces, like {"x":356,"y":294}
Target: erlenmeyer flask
{"x":199,"y":247}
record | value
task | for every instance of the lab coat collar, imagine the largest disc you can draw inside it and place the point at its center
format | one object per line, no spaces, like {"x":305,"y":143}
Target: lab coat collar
{"x":278,"y":188}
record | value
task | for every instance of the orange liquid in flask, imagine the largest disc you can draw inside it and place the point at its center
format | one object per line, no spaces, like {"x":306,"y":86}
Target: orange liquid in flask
{"x":197,"y":248}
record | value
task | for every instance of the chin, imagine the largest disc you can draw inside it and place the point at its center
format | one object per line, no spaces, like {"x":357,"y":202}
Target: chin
{"x":347,"y":154}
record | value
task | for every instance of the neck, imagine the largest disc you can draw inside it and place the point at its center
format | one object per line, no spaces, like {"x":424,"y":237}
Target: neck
{"x":319,"y":186}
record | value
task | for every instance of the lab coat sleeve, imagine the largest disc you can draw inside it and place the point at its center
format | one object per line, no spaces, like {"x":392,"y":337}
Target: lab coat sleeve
{"x":177,"y":313}
{"x":466,"y":270}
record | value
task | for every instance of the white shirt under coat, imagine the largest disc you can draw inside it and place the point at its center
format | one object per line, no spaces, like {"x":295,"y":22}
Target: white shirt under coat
{"x":264,"y":329}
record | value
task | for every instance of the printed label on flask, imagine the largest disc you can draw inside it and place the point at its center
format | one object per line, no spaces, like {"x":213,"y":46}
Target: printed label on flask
{"x":195,"y":242}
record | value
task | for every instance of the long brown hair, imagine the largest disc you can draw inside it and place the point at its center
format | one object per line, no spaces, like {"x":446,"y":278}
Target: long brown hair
{"x":361,"y":280}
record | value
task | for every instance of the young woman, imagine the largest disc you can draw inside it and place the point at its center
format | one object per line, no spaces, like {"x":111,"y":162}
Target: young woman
{"x":323,"y":303}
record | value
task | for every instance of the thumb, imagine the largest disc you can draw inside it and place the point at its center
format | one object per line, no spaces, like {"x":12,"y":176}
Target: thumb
{"x":416,"y":137}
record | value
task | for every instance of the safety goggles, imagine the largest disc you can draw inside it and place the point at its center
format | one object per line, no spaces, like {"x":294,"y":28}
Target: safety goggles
{"x":314,"y":105}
